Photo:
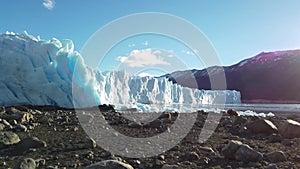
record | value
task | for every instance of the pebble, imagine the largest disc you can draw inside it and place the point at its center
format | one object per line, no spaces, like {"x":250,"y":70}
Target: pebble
{"x":90,"y":143}
{"x":272,"y":166}
{"x":207,"y":150}
{"x":167,"y":166}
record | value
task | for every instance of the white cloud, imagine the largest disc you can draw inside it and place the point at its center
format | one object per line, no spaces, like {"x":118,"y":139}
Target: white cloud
{"x":49,"y":4}
{"x":143,"y":58}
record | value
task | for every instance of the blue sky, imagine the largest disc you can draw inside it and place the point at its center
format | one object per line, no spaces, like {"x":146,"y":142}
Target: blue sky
{"x":237,"y":29}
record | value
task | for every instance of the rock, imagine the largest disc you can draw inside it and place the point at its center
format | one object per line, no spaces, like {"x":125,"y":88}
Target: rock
{"x":247,"y":154}
{"x":52,"y":167}
{"x":275,"y":157}
{"x":2,"y":127}
{"x":20,"y":127}
{"x":290,"y":129}
{"x":22,"y":108}
{"x":27,"y":163}
{"x":19,"y":116}
{"x":109,"y":164}
{"x":192,"y":156}
{"x":155,"y":124}
{"x":85,"y":118}
{"x":274,"y":138}
{"x":167,"y":166}
{"x":207,"y":150}
{"x":165,"y":115}
{"x":159,"y":162}
{"x":287,"y":142}
{"x":8,"y":138}
{"x":2,"y":110}
{"x":204,"y":160}
{"x":161,"y":157}
{"x":40,"y":162}
{"x":229,"y":149}
{"x":239,"y":120}
{"x":28,"y":143}
{"x":6,"y":123}
{"x":134,"y":124}
{"x":90,"y":143}
{"x":254,"y":164}
{"x":262,"y":126}
{"x":232,"y":112}
{"x":228,"y":167}
{"x":272,"y":166}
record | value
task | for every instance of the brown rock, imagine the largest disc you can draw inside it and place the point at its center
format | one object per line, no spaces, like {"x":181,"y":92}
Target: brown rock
{"x":232,"y":112}
{"x":229,"y":149}
{"x":275,"y":157}
{"x":247,"y":154}
{"x":290,"y":129}
{"x":262,"y":126}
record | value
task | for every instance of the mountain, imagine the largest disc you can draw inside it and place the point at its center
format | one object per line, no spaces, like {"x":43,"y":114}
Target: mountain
{"x":272,"y":77}
{"x":50,"y":72}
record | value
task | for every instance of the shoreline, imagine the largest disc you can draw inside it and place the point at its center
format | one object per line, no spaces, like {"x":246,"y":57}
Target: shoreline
{"x":53,"y":137}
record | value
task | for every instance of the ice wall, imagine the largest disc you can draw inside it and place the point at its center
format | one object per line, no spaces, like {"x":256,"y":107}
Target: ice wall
{"x":40,"y":72}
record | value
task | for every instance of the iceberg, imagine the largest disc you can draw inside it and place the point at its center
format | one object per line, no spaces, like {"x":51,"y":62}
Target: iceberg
{"x":50,"y":72}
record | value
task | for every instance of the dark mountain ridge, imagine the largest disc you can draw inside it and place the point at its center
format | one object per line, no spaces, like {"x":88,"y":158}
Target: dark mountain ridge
{"x":271,"y":77}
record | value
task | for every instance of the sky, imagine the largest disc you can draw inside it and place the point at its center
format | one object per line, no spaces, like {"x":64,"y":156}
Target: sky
{"x":236,"y":29}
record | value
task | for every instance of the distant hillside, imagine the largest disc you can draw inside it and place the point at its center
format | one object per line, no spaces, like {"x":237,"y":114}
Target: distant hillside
{"x":272,"y":77}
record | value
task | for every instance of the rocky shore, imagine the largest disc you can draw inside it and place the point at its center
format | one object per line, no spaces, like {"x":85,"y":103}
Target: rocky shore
{"x":52,"y":137}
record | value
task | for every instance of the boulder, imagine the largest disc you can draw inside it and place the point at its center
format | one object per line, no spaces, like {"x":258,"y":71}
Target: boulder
{"x":275,"y":157}
{"x":109,"y":164}
{"x":242,"y":152}
{"x":262,"y":126}
{"x":247,"y":154}
{"x":290,"y":129}
{"x":229,"y":149}
{"x":28,"y":143}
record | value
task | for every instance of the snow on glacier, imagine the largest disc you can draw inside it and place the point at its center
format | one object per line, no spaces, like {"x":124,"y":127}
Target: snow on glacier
{"x":40,"y":72}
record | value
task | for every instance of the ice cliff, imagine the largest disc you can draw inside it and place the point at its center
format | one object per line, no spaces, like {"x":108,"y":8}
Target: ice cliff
{"x":40,"y":72}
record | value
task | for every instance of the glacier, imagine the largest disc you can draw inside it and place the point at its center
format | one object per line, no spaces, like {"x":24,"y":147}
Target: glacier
{"x":50,"y":72}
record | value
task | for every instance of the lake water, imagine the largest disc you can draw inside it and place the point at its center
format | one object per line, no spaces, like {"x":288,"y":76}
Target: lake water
{"x":259,"y":108}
